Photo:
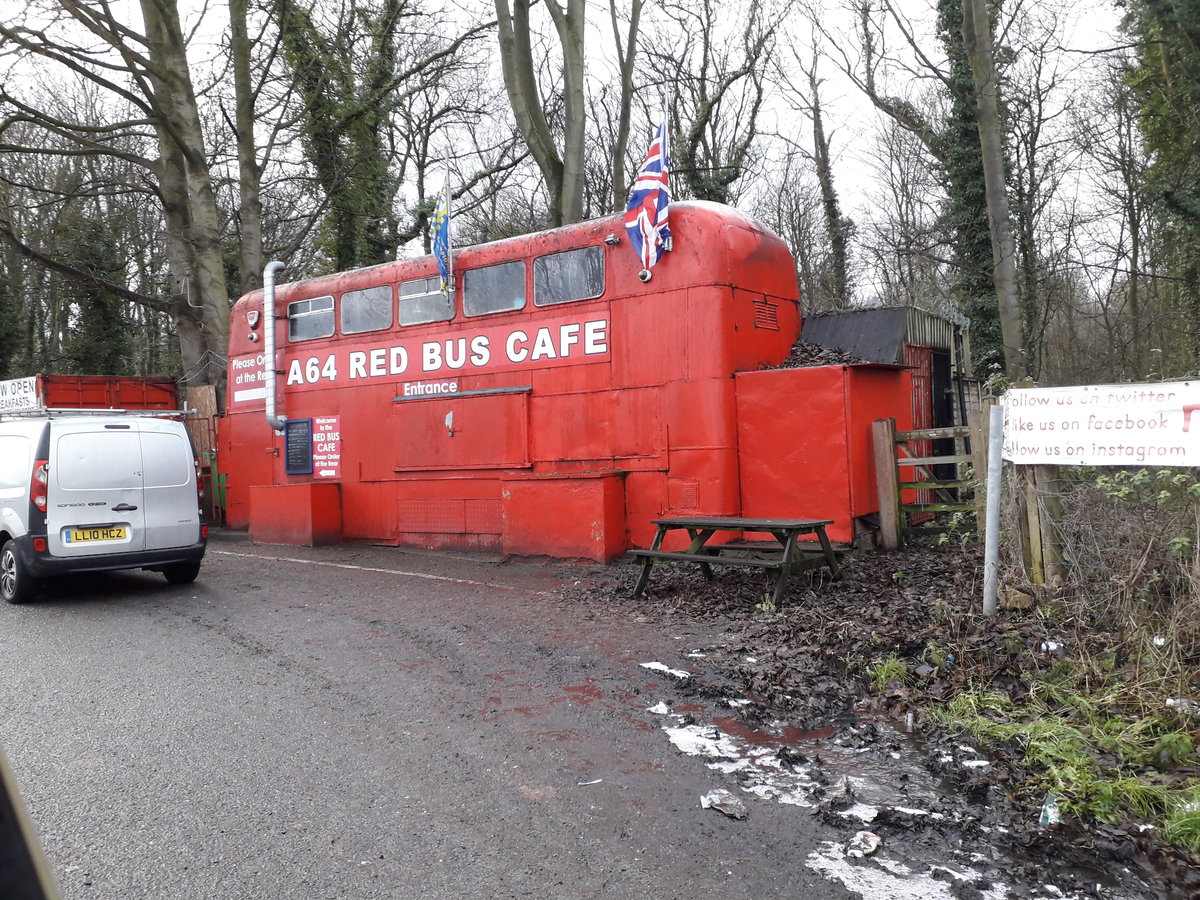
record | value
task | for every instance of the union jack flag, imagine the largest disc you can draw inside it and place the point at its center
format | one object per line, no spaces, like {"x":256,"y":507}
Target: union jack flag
{"x":646,"y":213}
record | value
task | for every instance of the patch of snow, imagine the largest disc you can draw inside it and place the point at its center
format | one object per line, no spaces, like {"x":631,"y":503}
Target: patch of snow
{"x":935,"y":816}
{"x":975,"y":763}
{"x":660,"y":708}
{"x":667,"y":670}
{"x":702,"y":740}
{"x":861,"y":812}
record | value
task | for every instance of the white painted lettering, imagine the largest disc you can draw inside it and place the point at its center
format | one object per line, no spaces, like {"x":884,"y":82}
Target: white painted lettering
{"x":516,"y":354}
{"x":399,"y":361}
{"x":358,"y":364}
{"x":543,"y":345}
{"x":431,"y":356}
{"x":595,"y":337}
{"x":378,"y":362}
{"x":567,"y":336}
{"x":456,"y":360}
{"x":481,"y":353}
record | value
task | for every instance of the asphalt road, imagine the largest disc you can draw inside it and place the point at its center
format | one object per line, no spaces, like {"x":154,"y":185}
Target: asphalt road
{"x":365,"y":722}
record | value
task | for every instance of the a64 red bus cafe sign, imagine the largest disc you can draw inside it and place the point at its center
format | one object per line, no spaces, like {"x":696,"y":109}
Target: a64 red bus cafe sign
{"x":1104,"y":425}
{"x":511,"y":347}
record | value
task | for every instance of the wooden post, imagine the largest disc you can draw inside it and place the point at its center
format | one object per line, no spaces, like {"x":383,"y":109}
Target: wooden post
{"x":1031,"y":534}
{"x":977,"y":420}
{"x":887,"y":484}
{"x":1046,"y":481}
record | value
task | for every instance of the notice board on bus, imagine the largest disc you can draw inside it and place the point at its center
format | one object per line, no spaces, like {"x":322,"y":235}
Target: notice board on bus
{"x":298,"y":446}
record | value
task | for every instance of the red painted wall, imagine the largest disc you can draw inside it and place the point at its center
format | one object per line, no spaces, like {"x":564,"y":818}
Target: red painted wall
{"x":804,"y":440}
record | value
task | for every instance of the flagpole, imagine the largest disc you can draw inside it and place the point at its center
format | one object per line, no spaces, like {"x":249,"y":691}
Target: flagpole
{"x":449,"y":240}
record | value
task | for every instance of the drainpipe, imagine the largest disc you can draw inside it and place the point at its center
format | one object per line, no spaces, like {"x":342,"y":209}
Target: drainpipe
{"x":274,"y":420}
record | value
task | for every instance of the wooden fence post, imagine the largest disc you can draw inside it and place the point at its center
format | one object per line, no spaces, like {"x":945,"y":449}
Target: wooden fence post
{"x":977,"y":421}
{"x":887,"y":484}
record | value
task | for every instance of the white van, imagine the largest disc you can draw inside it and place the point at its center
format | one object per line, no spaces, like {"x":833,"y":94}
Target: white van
{"x":96,"y":492}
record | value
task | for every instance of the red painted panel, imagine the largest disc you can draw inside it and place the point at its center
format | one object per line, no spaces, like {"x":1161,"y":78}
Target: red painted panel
{"x":638,"y":425}
{"x":565,"y":517}
{"x":811,"y":456}
{"x":572,"y":427}
{"x":700,"y":413}
{"x":454,"y":432}
{"x":645,"y":499}
{"x":300,"y":514}
{"x":793,"y":446}
{"x":107,"y":392}
{"x":653,"y":346}
{"x":876,"y":393}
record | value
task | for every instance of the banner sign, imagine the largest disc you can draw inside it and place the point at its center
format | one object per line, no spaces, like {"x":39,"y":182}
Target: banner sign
{"x":1104,"y":425}
{"x":20,"y":394}
{"x":484,"y":349}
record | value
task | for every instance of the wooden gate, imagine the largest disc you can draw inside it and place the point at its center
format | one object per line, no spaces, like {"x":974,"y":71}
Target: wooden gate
{"x":908,"y":484}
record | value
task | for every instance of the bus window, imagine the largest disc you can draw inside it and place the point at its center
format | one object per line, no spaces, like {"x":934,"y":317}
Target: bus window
{"x":494,"y":288}
{"x":422,"y":301}
{"x":309,"y":319}
{"x":367,"y":310}
{"x":570,"y":275}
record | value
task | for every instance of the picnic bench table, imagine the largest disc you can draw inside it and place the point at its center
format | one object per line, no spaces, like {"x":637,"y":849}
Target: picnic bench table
{"x":777,"y":560}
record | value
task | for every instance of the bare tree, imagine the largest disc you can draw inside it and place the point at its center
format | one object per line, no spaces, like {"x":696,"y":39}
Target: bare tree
{"x":805,"y":97}
{"x":562,"y":168}
{"x":714,"y":83}
{"x":977,"y":35}
{"x":147,"y":70}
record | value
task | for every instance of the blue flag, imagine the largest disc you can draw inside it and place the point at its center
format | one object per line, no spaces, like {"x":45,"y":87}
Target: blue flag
{"x":439,"y":234}
{"x":646,"y":213}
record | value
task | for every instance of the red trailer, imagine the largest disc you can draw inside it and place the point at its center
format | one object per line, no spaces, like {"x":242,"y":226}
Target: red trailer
{"x":554,"y":403}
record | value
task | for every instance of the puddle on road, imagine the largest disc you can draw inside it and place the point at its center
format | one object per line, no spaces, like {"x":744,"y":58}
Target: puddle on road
{"x":870,"y":775}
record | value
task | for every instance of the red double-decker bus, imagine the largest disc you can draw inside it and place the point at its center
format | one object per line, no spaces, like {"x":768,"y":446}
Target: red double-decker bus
{"x":554,"y":402}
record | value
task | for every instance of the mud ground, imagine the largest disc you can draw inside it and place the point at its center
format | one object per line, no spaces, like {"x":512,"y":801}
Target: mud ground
{"x":802,"y":666}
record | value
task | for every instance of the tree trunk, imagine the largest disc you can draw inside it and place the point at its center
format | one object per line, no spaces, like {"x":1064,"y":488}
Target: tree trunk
{"x":626,"y":57}
{"x":835,"y":225}
{"x":562,"y":173}
{"x":189,"y":190}
{"x":977,"y":35}
{"x":249,"y":172}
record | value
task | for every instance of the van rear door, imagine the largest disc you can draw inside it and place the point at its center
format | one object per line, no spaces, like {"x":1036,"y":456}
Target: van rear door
{"x":169,"y":485}
{"x":96,"y":501}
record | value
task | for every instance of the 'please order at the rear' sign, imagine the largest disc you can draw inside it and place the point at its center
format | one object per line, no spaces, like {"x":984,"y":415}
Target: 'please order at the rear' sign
{"x":1104,"y":425}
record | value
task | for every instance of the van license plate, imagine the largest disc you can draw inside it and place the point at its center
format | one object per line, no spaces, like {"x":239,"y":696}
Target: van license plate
{"x":91,"y":535}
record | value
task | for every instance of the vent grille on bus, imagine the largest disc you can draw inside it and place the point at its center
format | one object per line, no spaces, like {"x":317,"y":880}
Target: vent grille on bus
{"x":766,"y":315}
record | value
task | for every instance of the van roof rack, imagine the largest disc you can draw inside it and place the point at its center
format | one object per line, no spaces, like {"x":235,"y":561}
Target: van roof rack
{"x":57,"y":411}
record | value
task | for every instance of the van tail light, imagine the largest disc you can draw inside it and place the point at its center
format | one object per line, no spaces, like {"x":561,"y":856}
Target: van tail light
{"x":38,"y":486}
{"x":199,"y":480}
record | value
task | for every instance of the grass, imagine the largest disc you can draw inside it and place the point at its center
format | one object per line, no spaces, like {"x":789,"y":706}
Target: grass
{"x":1101,"y":765}
{"x":1109,"y":719}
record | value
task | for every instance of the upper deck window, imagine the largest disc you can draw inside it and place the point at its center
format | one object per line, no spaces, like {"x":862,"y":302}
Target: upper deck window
{"x":309,"y":319}
{"x":569,"y":275}
{"x":494,"y":289}
{"x":422,"y":301}
{"x":367,"y":310}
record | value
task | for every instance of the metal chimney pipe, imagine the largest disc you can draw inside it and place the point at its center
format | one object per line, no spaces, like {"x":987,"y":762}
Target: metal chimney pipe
{"x":273,"y":419}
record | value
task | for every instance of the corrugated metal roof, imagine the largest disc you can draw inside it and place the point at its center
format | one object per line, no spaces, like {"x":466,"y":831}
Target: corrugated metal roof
{"x":876,"y":335}
{"x":880,"y":333}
